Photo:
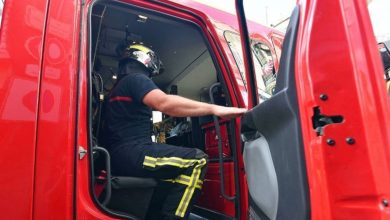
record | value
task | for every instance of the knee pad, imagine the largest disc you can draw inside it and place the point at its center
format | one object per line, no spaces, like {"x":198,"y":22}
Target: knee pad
{"x":202,"y":155}
{"x":199,"y":154}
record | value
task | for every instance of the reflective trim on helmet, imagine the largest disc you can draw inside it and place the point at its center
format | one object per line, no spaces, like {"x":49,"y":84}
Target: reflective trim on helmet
{"x":139,"y":47}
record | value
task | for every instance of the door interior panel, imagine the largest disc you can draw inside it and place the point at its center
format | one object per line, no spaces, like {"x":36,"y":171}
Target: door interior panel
{"x":275,"y":124}
{"x":262,"y":182}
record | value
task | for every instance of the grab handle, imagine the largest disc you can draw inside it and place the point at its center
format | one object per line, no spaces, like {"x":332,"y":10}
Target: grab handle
{"x":220,"y":155}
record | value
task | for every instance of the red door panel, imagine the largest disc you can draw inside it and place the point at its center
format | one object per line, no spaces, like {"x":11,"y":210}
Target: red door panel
{"x":351,"y":178}
{"x":56,"y":149}
{"x":342,"y":109}
{"x":211,"y":140}
{"x":21,"y":44}
{"x":211,"y":197}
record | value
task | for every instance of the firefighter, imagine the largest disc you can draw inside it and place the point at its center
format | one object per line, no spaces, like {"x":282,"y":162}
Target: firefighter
{"x":179,"y":171}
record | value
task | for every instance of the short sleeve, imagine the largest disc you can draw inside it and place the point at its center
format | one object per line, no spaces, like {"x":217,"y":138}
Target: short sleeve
{"x":139,"y":85}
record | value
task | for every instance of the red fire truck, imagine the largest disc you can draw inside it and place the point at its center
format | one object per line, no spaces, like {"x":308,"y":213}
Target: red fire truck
{"x":313,"y":145}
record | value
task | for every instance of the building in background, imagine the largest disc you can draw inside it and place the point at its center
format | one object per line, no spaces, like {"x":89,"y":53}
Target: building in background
{"x":380,"y":18}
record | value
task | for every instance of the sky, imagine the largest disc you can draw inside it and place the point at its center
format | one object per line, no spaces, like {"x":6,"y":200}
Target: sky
{"x":380,"y":18}
{"x":270,"y":12}
{"x":262,"y":11}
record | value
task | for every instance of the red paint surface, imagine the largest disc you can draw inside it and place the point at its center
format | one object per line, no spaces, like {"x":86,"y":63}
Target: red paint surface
{"x":39,"y":62}
{"x":211,"y":140}
{"x":211,"y":197}
{"x":56,"y":149}
{"x":21,"y":42}
{"x":337,"y":55}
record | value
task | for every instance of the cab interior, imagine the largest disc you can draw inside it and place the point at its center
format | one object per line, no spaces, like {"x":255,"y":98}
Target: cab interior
{"x":190,"y":71}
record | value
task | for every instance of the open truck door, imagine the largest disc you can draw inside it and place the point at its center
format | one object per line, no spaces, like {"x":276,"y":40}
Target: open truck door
{"x":318,"y":148}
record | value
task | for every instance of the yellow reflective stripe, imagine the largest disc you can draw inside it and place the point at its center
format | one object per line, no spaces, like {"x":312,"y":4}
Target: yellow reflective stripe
{"x":198,"y":185}
{"x":180,"y":211}
{"x":140,"y":47}
{"x":188,"y":178}
{"x":185,"y":180}
{"x":149,"y":164}
{"x":172,"y":161}
{"x":150,"y":158}
{"x":177,"y":160}
{"x":150,"y":161}
{"x":191,"y":182}
{"x":185,"y":200}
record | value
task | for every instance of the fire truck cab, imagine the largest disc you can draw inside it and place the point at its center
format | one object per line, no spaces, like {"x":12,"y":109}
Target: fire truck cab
{"x":313,"y":145}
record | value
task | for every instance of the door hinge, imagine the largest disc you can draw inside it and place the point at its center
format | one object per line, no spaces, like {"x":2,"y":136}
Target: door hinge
{"x":82,"y":152}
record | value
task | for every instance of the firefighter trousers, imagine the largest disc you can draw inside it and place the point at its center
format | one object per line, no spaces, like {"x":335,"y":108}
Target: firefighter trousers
{"x":179,"y":171}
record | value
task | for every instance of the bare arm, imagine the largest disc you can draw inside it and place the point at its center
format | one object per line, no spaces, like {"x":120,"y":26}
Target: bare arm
{"x":178,"y":106}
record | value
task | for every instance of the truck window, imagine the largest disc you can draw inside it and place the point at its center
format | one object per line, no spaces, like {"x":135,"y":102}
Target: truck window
{"x":265,"y":75}
{"x":263,"y":61}
{"x":234,"y":43}
{"x":2,"y":2}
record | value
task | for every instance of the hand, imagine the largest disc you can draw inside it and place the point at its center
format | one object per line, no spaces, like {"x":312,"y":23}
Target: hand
{"x":228,"y":112}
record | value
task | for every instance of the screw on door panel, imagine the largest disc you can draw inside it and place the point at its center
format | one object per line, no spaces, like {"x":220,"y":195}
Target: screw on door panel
{"x":385,"y":202}
{"x":350,"y":140}
{"x":330,"y":142}
{"x":324,"y":97}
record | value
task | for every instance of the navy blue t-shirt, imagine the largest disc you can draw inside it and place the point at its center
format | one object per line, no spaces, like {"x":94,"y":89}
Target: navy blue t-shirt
{"x":128,"y":119}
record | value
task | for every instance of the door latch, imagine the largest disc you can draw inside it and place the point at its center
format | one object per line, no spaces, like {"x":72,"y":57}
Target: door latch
{"x":320,"y":120}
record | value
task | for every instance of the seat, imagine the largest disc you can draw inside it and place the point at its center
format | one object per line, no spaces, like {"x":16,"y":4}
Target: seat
{"x":131,"y":195}
{"x":123,"y":194}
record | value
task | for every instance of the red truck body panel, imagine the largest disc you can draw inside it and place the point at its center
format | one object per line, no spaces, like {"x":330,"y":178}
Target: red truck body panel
{"x":43,"y":107}
{"x":347,"y":181}
{"x":55,"y":152}
{"x":21,"y":52}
